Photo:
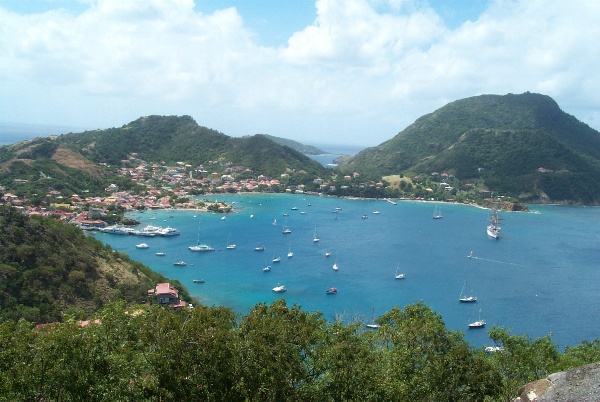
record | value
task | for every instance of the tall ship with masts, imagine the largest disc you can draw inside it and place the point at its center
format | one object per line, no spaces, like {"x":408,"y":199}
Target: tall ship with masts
{"x":493,"y":228}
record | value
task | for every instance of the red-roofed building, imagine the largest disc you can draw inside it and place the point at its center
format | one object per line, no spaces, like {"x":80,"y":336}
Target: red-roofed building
{"x":167,"y":294}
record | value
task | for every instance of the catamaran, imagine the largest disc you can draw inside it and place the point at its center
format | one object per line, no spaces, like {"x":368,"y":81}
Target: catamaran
{"x":199,"y":246}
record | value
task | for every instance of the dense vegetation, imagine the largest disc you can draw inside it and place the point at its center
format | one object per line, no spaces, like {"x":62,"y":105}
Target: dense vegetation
{"x":49,"y":268}
{"x":34,"y":163}
{"x":275,"y":353}
{"x":174,"y":138}
{"x":501,"y":140}
{"x":303,"y":148}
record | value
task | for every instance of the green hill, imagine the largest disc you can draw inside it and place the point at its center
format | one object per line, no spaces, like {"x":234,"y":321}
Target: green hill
{"x":501,"y":140}
{"x":303,"y":148}
{"x":48,"y":268}
{"x":79,"y":162}
{"x":180,"y":138}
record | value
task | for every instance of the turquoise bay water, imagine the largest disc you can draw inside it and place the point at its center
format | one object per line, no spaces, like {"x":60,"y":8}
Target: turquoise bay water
{"x":541,"y":277}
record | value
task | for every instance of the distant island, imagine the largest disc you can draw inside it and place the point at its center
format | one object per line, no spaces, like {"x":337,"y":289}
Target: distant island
{"x":303,"y":148}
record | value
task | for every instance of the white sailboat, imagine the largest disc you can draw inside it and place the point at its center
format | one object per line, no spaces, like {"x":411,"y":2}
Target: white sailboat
{"x":437,"y":212}
{"x":160,"y":253}
{"x":398,"y":276}
{"x":276,"y":258}
{"x":200,"y":246}
{"x":290,"y":254}
{"x":479,"y":323}
{"x":372,"y":324}
{"x":315,"y":237}
{"x":179,"y":262}
{"x":463,"y":298}
{"x":493,"y":228}
{"x":335,"y":266}
{"x":286,"y":229}
{"x":230,"y":245}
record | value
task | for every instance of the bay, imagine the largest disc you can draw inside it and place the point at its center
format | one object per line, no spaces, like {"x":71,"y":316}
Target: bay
{"x":540,"y":278}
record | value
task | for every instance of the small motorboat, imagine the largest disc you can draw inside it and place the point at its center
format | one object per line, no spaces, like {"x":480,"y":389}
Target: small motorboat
{"x":279,"y":289}
{"x":331,"y":291}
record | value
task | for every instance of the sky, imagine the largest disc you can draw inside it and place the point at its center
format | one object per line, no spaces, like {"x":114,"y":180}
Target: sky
{"x":352,"y":72}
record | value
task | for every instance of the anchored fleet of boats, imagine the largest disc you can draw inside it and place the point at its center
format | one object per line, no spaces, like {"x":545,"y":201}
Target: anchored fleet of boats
{"x":493,"y":231}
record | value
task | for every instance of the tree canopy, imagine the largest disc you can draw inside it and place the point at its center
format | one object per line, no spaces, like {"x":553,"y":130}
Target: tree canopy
{"x":274,"y":353}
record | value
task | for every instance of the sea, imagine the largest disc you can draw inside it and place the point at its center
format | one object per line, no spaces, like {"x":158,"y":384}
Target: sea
{"x":540,"y":278}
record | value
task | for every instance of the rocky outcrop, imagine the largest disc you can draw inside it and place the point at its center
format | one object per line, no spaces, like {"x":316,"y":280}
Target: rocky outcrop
{"x":513,"y":206}
{"x":579,"y":384}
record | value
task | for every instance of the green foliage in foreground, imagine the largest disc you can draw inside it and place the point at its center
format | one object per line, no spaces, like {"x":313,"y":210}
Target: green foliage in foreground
{"x":274,"y":353}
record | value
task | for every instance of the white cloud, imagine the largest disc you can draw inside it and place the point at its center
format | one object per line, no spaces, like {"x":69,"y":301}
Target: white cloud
{"x":364,"y":69}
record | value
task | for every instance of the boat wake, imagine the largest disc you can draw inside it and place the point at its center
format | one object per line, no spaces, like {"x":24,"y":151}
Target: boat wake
{"x":497,"y":262}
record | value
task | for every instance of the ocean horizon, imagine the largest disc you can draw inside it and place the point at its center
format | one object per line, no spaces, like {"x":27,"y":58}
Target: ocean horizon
{"x":539,"y":278}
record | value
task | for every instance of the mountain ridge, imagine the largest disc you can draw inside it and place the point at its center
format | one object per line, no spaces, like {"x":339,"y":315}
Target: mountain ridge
{"x":180,"y":138}
{"x":501,"y":139}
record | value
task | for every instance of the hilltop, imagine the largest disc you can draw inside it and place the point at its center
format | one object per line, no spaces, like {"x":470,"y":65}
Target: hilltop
{"x":522,"y":145}
{"x":180,"y":138}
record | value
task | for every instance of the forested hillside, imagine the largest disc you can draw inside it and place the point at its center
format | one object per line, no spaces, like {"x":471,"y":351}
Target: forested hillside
{"x":49,"y":268}
{"x":304,"y":148}
{"x":179,"y":138}
{"x":502,"y":141}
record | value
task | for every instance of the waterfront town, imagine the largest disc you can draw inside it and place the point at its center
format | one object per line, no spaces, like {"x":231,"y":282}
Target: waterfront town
{"x":158,"y":185}
{"x":163,"y":186}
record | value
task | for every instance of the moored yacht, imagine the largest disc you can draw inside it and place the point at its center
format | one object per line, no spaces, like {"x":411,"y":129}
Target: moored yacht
{"x":117,"y":230}
{"x":201,"y":247}
{"x":279,"y":289}
{"x":168,"y":231}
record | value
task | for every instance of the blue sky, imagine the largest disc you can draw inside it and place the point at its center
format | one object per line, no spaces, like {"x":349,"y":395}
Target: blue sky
{"x":320,"y":72}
